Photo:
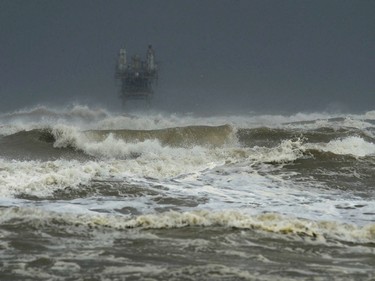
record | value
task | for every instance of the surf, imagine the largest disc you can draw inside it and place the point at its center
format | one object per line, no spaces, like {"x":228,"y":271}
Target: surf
{"x":178,"y":136}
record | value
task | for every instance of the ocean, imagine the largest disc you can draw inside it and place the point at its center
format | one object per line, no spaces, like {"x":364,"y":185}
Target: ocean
{"x":89,"y":194}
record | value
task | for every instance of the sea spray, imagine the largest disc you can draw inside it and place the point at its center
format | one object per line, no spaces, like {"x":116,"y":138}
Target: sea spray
{"x":93,"y":194}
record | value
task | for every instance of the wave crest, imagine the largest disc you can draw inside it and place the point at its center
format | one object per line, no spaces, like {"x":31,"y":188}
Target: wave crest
{"x":320,"y":231}
{"x":353,"y":145}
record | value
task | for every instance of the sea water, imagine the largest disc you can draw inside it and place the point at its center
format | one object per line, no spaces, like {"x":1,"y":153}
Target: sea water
{"x":88,"y":194}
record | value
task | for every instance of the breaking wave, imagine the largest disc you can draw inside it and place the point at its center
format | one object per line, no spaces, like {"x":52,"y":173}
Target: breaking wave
{"x":41,"y":113}
{"x":353,"y":145}
{"x":178,"y":136}
{"x":62,"y":139}
{"x":67,"y":141}
{"x":269,"y":189}
{"x":320,"y":231}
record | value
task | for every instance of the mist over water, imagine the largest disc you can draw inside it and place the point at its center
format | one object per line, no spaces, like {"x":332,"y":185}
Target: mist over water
{"x":232,"y":56}
{"x":88,"y":193}
{"x":254,"y":161}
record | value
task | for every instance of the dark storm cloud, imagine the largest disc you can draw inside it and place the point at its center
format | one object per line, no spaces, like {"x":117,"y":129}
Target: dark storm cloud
{"x":217,"y":55}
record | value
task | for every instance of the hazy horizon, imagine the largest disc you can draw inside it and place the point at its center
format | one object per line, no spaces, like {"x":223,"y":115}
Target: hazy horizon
{"x":215,"y":56}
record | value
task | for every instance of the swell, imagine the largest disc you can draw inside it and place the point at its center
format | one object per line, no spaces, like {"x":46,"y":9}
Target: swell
{"x":42,"y":113}
{"x":319,"y":231}
{"x":35,"y":144}
{"x":178,"y":136}
{"x":67,"y":142}
{"x":268,"y":137}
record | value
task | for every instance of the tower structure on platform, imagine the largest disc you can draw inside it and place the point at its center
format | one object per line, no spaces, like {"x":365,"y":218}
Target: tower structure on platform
{"x":137,"y":77}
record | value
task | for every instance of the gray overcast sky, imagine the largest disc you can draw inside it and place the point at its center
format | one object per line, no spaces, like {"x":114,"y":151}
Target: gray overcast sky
{"x":263,"y":55}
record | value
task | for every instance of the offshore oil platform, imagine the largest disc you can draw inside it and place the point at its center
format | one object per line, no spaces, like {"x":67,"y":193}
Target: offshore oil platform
{"x":136,"y":77}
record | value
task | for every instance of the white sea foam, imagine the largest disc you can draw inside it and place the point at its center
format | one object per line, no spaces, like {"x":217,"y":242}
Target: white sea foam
{"x":287,"y":151}
{"x":112,"y":147}
{"x":41,"y":111}
{"x":36,"y":178}
{"x":226,"y":177}
{"x":98,"y":118}
{"x":6,"y":130}
{"x":40,"y":117}
{"x":43,"y":178}
{"x":353,"y":145}
{"x":271,"y":222}
{"x":120,"y":159}
{"x":319,"y":231}
{"x":370,"y":115}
